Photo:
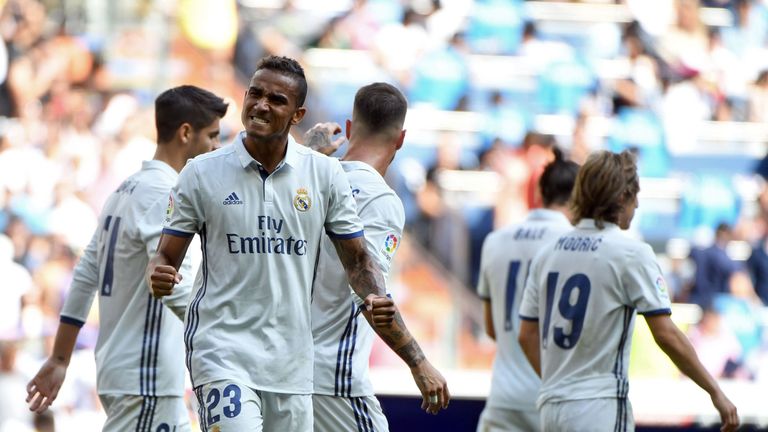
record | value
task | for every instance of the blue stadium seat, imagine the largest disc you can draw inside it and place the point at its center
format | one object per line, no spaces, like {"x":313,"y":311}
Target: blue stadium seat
{"x":708,"y":199}
{"x":440,"y":79}
{"x":640,"y":129}
{"x":495,"y":27}
{"x":563,"y":85}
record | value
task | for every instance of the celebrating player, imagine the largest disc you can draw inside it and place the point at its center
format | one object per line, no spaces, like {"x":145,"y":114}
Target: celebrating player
{"x":139,"y":348}
{"x":343,"y":397}
{"x":579,"y":306}
{"x":260,"y":206}
{"x":506,"y":255}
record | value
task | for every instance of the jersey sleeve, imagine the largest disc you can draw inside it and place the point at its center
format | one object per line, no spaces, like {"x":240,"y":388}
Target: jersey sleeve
{"x":85,"y":280}
{"x":341,"y":221}
{"x":529,"y":304}
{"x":383,"y":219}
{"x":183,"y":215}
{"x":644,"y":282}
{"x":149,"y":229}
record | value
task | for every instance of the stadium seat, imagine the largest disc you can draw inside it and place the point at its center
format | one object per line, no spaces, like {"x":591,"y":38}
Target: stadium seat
{"x":495,"y":27}
{"x":640,"y":129}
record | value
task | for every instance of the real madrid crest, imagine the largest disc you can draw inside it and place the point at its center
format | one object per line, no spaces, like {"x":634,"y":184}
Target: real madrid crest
{"x":301,"y":201}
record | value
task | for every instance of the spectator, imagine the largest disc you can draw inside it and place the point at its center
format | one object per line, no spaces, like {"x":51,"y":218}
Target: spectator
{"x":715,"y":272}
{"x":715,"y":343}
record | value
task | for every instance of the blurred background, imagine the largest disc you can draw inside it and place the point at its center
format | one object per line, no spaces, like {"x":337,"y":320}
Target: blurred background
{"x":493,"y":86}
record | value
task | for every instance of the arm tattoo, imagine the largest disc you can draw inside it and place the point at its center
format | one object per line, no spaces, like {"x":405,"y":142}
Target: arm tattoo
{"x":399,"y":339}
{"x":317,"y":139}
{"x":411,"y":353}
{"x":363,"y":276}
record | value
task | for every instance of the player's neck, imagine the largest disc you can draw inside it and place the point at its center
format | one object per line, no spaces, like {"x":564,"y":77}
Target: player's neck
{"x":564,"y":209}
{"x":171,"y":155}
{"x":374,"y":155}
{"x":268,"y":152}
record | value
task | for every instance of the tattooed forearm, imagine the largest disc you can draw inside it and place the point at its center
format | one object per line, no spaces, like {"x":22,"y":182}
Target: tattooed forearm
{"x":363,"y":276}
{"x":411,"y":353}
{"x":399,"y":339}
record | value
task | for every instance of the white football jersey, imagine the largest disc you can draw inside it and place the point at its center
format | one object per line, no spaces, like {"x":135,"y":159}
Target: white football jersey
{"x":249,"y":318}
{"x":139,"y":349}
{"x":506,"y":255}
{"x":584,"y":289}
{"x":343,"y":338}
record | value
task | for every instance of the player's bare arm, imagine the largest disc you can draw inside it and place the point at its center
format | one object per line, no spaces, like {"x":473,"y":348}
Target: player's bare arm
{"x":679,"y":349}
{"x":433,"y":387}
{"x":44,"y":386}
{"x":163,"y":269}
{"x":488,"y":315}
{"x":529,"y":341}
{"x":365,"y":279}
{"x":319,"y":138}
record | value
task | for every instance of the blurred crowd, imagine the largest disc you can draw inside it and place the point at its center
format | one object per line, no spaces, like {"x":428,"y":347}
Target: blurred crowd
{"x":78,"y":78}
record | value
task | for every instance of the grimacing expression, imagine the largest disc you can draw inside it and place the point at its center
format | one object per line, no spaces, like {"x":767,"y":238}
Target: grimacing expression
{"x":205,"y":139}
{"x":270,"y":105}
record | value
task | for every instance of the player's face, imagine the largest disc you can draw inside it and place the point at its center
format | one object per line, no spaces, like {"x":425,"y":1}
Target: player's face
{"x":270,"y":105}
{"x":204,"y":140}
{"x":627,"y":213}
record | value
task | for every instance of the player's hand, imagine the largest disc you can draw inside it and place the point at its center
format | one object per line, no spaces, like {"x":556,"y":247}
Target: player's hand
{"x":382,"y":309}
{"x":319,"y":138}
{"x":728,"y":415}
{"x":44,"y":387}
{"x":434,"y":389}
{"x":162,"y":280}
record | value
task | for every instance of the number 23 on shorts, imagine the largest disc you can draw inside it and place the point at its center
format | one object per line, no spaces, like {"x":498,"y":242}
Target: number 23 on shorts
{"x":225,"y":402}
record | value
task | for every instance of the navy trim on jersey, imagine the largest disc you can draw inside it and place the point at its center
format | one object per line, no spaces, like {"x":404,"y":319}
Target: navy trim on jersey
{"x":344,"y":357}
{"x":665,"y":311}
{"x":177,"y":233}
{"x":622,"y":384}
{"x":193,"y":318}
{"x":527,"y":318}
{"x":73,"y":321}
{"x":342,"y":339}
{"x":149,"y":350}
{"x":351,"y":354}
{"x":345,"y":236}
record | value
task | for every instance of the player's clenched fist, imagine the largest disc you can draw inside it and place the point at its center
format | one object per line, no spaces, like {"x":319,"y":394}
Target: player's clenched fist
{"x":162,"y":279}
{"x":382,"y":309}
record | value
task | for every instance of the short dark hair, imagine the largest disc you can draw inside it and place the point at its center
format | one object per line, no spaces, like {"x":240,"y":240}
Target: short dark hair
{"x":380,"y":106}
{"x":290,"y":67}
{"x":604,"y":183}
{"x":186,"y":104}
{"x":557,"y":180}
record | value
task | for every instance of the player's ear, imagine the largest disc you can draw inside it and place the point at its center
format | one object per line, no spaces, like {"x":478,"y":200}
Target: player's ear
{"x":348,"y":126}
{"x":400,"y":140}
{"x":298,"y":115}
{"x":184,"y":132}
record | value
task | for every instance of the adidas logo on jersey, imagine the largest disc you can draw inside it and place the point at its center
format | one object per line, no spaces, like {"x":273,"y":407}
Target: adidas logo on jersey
{"x":232,"y":199}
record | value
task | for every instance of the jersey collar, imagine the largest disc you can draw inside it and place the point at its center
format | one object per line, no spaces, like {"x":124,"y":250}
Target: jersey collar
{"x":548,"y":215}
{"x":590,"y":224}
{"x":160,"y":166}
{"x":246,"y":160}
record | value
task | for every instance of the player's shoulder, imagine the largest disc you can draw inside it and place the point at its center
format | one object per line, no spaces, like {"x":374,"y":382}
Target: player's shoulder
{"x":213,"y":156}
{"x":366,"y":181}
{"x":632,"y":248}
{"x":305,"y":153}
